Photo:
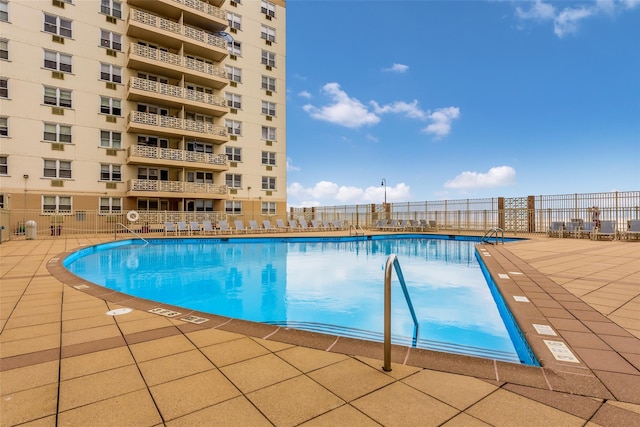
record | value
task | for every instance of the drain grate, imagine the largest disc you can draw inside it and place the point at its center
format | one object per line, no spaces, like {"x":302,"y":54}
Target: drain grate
{"x":164,"y":312}
{"x":195,"y":319}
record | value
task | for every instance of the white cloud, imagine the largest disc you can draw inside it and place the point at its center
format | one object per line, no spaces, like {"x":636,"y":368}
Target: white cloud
{"x":630,"y":4}
{"x":499,"y":176}
{"x":441,"y":121}
{"x":291,"y":167}
{"x":325,"y":193}
{"x":343,"y":111}
{"x":410,"y":110}
{"x":539,"y":10}
{"x":567,"y":21}
{"x":397,"y":68}
{"x":305,"y":94}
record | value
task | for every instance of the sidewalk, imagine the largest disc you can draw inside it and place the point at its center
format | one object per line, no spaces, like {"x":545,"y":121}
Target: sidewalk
{"x":63,"y":361}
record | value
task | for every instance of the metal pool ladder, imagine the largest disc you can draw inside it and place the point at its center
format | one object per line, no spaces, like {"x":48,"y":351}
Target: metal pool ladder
{"x":493,"y":232}
{"x":115,"y":232}
{"x":392,"y":261}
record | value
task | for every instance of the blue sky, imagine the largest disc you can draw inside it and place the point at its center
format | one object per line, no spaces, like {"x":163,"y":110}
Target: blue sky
{"x":461,"y":99}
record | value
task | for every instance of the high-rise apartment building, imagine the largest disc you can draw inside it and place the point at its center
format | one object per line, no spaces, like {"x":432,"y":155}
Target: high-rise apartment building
{"x":148,"y":105}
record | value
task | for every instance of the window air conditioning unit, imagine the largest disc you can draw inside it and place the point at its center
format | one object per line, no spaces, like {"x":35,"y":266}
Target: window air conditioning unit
{"x":234,"y":57}
{"x":233,"y":164}
{"x":111,"y":119}
{"x":269,"y":168}
{"x":233,"y":84}
{"x":57,"y":183}
{"x":111,"y":86}
{"x":111,"y":52}
{"x":58,"y":3}
{"x":233,"y":137}
{"x":233,"y":30}
{"x":269,"y":118}
{"x":57,"y":75}
{"x":57,"y":111}
{"x":57,"y":39}
{"x":269,"y":93}
{"x":233,"y":111}
{"x":233,"y":3}
{"x":267,"y":17}
{"x":267,"y":42}
{"x":269,"y":193}
{"x":112,"y":152}
{"x":112,"y":19}
{"x":269,"y":68}
{"x":269,"y":142}
{"x":111,"y":186}
{"x":57,"y":147}
{"x":233,"y":191}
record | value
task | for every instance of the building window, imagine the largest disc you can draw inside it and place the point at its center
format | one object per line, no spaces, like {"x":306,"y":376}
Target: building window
{"x":235,"y":21}
{"x":268,"y":208}
{"x":2,"y":206}
{"x":153,"y":174}
{"x":269,"y":133}
{"x":57,"y":168}
{"x":55,"y":132}
{"x":233,"y":100}
{"x":109,"y":172}
{"x":57,"y":61}
{"x":199,"y":147}
{"x":233,"y":180}
{"x":56,"y":203}
{"x":57,"y":97}
{"x":110,"y":106}
{"x":200,"y":177}
{"x":234,"y":154}
{"x":269,"y":108}
{"x":4,"y":49}
{"x":4,"y":126}
{"x":234,"y":73}
{"x":152,"y":141}
{"x":57,"y":25}
{"x":268,"y":183}
{"x":4,"y":165}
{"x":233,"y":207}
{"x":110,"y":139}
{"x":4,"y":87}
{"x":110,"y":205}
{"x":111,"y":8}
{"x":268,"y":33}
{"x":110,"y":73}
{"x":234,"y":127}
{"x":269,"y":83}
{"x":110,"y":40}
{"x":268,"y":58}
{"x":199,"y":205}
{"x":268,"y":158}
{"x":4,"y":11}
{"x":235,"y":48}
{"x":268,"y":8}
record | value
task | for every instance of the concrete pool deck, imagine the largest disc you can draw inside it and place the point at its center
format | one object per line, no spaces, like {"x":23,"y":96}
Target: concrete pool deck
{"x":63,"y":361}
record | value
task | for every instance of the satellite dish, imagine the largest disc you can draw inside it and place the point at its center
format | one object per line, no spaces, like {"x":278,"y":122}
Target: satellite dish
{"x":225,"y":36}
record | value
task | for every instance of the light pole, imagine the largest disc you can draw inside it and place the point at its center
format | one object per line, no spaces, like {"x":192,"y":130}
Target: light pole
{"x":384,"y":184}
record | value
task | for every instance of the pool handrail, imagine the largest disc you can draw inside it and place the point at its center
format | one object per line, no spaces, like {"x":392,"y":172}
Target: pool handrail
{"x":355,"y":229}
{"x":392,"y":261}
{"x":492,"y":232}
{"x":115,"y":232}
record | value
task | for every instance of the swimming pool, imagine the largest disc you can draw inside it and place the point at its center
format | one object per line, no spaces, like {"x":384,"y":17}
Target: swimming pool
{"x":323,"y":284}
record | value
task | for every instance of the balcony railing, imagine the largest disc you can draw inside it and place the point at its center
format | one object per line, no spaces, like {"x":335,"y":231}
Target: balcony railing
{"x":171,"y":154}
{"x":178,"y":29}
{"x":175,"y":187}
{"x":201,"y":6}
{"x":177,"y":123}
{"x":176,"y":92}
{"x":177,"y":60}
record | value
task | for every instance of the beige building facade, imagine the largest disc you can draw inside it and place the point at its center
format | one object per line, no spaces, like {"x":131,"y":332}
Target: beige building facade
{"x":147,"y":105}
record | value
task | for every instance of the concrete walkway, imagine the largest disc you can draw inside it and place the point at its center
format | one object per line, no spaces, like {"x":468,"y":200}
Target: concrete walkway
{"x":63,"y":361}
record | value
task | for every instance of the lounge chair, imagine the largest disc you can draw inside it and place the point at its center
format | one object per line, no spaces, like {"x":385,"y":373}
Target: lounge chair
{"x":607,"y":229}
{"x":403,"y":224}
{"x":293,"y":225}
{"x":587,"y":230}
{"x":223,"y":226}
{"x":633,"y":229}
{"x":182,"y":227}
{"x":338,"y":224}
{"x":392,"y":225}
{"x":303,"y":225}
{"x":253,"y":226}
{"x":327,"y":225}
{"x":571,"y":229}
{"x":555,"y":229}
{"x":195,"y":227}
{"x":281,"y":225}
{"x":207,"y":227}
{"x":170,"y":227}
{"x":317,"y":225}
{"x":240,"y":228}
{"x":267,"y":226}
{"x":379,"y":224}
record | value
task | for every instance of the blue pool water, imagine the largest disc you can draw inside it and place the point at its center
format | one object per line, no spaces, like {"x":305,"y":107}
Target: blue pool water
{"x":331,"y":285}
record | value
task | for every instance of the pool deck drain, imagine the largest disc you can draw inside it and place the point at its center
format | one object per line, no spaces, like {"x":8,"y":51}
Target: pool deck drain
{"x":61,"y":356}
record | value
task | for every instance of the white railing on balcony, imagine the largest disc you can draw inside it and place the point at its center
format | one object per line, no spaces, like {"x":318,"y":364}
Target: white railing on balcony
{"x":204,"y":7}
{"x":176,"y":92}
{"x":177,"y":60}
{"x":175,"y":186}
{"x":177,"y":123}
{"x":176,"y":28}
{"x":172,"y":154}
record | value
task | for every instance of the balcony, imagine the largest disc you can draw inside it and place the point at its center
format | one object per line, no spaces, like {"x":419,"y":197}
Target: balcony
{"x":174,"y":127}
{"x":143,"y":188}
{"x":197,"y":12}
{"x":155,"y":29}
{"x":139,"y":154}
{"x":175,"y":66}
{"x":175,"y":96}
